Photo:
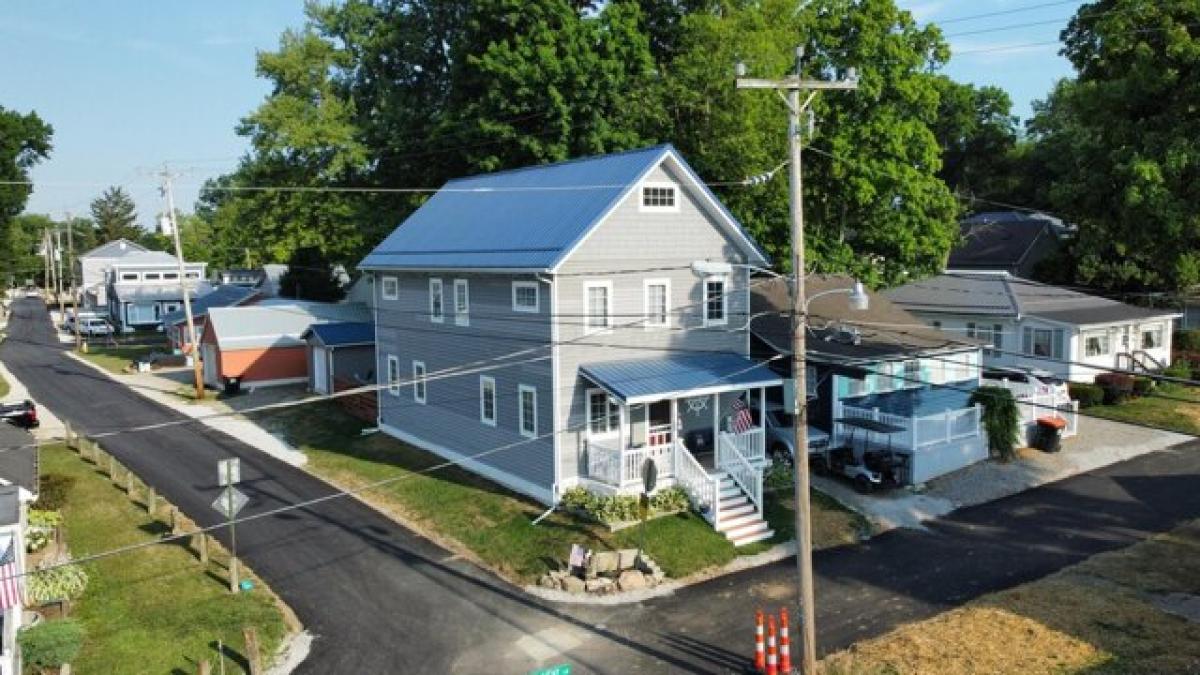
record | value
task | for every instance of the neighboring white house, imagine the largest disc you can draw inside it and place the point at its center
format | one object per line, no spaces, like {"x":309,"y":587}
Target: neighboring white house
{"x":92,"y":269}
{"x":1074,"y":335}
{"x":144,"y":286}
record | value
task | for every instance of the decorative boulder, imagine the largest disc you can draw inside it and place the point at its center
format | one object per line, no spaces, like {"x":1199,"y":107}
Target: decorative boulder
{"x":631,"y":580}
{"x":573,"y":584}
{"x":629,"y":558}
{"x":604,"y":562}
{"x":598,"y":585}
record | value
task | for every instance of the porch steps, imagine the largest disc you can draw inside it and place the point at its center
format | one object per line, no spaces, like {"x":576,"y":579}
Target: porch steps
{"x":739,"y":520}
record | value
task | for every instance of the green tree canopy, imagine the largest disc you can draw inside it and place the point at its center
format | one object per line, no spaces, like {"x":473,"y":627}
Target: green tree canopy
{"x":310,"y":277}
{"x":115,"y":215}
{"x":24,"y":141}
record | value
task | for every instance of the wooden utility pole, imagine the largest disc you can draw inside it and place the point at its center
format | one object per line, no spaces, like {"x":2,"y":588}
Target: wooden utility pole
{"x":197,"y":375}
{"x":71,"y":267}
{"x":62,"y":312}
{"x":793,"y":86}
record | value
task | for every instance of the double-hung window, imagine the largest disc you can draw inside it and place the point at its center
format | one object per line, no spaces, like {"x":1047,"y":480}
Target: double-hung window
{"x":525,"y":296}
{"x":912,"y":374}
{"x":419,"y":381}
{"x":657,"y":294}
{"x":604,"y":417}
{"x":487,"y":400}
{"x":1043,"y":342}
{"x":1096,"y":343}
{"x":716,"y":301}
{"x":992,"y":336}
{"x":1152,"y":336}
{"x":527,"y":410}
{"x":393,"y":375}
{"x":597,"y":303}
{"x":436,"y":309}
{"x":390,"y":288}
{"x":462,"y":303}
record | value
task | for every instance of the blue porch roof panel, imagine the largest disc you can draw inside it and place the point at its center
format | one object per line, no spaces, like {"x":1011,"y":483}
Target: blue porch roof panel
{"x":343,"y":333}
{"x":522,"y":219}
{"x":222,"y":296}
{"x":647,"y":380}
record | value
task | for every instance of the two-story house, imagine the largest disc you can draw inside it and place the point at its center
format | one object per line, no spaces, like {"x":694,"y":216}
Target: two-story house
{"x":144,"y":286}
{"x":92,"y":268}
{"x":544,"y":327}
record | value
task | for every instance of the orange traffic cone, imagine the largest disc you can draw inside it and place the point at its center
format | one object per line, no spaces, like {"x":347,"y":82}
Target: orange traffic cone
{"x":785,"y":644}
{"x":772,"y":656}
{"x":760,"y":656}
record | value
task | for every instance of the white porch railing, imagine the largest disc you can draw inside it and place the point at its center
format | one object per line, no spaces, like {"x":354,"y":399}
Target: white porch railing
{"x":918,"y":432}
{"x":731,"y":460}
{"x":703,"y":489}
{"x":750,"y":444}
{"x":1033,"y":407}
{"x":604,"y":462}
{"x":608,"y":464}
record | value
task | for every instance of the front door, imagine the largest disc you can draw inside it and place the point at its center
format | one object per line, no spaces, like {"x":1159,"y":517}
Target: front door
{"x":319,"y":371}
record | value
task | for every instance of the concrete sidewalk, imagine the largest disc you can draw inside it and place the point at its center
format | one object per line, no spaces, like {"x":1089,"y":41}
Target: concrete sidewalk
{"x":1100,"y":443}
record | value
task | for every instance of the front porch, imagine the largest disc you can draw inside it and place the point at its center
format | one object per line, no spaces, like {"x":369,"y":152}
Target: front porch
{"x":692,"y":418}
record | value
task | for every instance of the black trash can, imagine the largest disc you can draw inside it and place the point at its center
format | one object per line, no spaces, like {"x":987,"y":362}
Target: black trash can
{"x":1049,"y":434}
{"x":233,"y":385}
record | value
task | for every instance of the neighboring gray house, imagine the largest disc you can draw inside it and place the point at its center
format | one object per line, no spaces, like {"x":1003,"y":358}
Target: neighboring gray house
{"x":92,"y":269}
{"x":1028,"y":324}
{"x":341,"y":352}
{"x":1007,"y":241}
{"x":544,"y":328}
{"x":144,"y":286}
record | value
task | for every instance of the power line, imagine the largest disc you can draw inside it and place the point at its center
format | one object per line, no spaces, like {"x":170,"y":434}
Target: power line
{"x":1004,"y":12}
{"x":1054,"y":42}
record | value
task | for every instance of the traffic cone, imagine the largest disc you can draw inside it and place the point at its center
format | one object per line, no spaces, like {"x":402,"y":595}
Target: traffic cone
{"x":785,"y":644}
{"x":772,"y":656}
{"x":760,"y":655}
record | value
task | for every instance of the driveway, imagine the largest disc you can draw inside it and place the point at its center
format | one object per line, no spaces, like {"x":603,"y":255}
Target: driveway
{"x":380,"y":599}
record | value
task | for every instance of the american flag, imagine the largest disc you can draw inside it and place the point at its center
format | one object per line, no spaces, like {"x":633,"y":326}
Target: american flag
{"x":742,"y":421}
{"x":10,"y":579}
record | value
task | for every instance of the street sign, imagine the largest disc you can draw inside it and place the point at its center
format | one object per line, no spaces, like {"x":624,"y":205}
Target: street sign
{"x":229,"y":505}
{"x":229,"y":471}
{"x":561,"y":669}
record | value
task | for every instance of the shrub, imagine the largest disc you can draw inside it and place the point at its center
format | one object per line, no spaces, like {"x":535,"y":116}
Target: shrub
{"x":780,"y":476}
{"x":1118,"y":387}
{"x":1001,"y":419}
{"x":51,"y":644}
{"x":59,"y":582}
{"x":1142,"y":385}
{"x":38,"y":518}
{"x":1179,"y":368}
{"x":1088,"y":395}
{"x":1186,"y":340}
{"x":622,"y":508}
{"x":670,"y":499}
{"x":52,"y":491}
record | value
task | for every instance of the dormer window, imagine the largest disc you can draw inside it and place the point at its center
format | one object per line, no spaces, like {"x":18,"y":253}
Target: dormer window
{"x":659,"y":197}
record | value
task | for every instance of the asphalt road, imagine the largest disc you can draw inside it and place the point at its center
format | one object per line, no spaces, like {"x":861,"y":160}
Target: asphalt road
{"x":383,"y":600}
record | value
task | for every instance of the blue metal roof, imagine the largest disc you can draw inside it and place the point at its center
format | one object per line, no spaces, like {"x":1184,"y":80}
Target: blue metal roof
{"x":525,"y":218}
{"x":342,"y":333}
{"x":642,"y":380}
{"x":222,"y":296}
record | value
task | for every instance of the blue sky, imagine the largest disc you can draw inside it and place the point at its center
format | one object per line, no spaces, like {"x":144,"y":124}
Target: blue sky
{"x":129,"y":85}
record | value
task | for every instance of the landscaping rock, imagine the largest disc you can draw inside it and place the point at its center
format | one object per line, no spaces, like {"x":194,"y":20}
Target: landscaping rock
{"x":573,"y":584}
{"x":631,"y":580}
{"x":548,"y":581}
{"x":604,"y":562}
{"x":628,"y":558}
{"x":598,"y":585}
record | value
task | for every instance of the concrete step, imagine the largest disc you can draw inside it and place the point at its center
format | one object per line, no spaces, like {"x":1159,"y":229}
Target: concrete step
{"x":740,"y":509}
{"x":731,"y":502}
{"x":731,"y":523}
{"x":745,"y":529}
{"x":730,"y":491}
{"x":751,"y":538}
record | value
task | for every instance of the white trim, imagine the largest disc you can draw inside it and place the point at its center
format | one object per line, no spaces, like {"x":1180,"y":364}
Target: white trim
{"x":440,"y":315}
{"x":504,"y":478}
{"x":676,"y":196}
{"x":646,"y":314}
{"x":608,"y":307}
{"x":383,"y":285}
{"x":521,"y":389}
{"x":724,"y":279}
{"x":555,"y":440}
{"x":705,"y":391}
{"x":463,"y":317}
{"x":273,"y":383}
{"x":455,"y":270}
{"x":537,"y":299}
{"x":393,"y":386}
{"x":420,"y":383}
{"x":489,"y":380}
{"x":587,"y":413}
{"x":378,"y":392}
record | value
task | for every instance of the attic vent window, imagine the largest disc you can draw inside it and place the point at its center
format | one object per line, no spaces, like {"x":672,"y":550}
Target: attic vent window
{"x":659,"y":198}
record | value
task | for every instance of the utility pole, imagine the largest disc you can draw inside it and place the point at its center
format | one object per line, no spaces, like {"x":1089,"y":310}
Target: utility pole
{"x":793,"y":86}
{"x":71,"y":267}
{"x":198,"y":376}
{"x":62,"y":312}
{"x":46,"y":255}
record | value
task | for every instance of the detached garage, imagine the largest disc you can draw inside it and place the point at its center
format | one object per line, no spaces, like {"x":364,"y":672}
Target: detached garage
{"x":340,"y":355}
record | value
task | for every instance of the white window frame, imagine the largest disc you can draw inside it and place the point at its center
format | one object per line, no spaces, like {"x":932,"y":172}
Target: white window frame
{"x":522,"y":389}
{"x":393,"y":375}
{"x":419,"y":383}
{"x":151,"y":276}
{"x":588,"y":328}
{"x":1106,"y":343}
{"x":130,"y":276}
{"x":383,"y":288}
{"x":437,"y":310}
{"x":724,"y":320}
{"x":462,"y":316}
{"x":647,"y":315}
{"x":645,"y":208}
{"x":170,"y":276}
{"x":612,"y":428}
{"x":536,"y":297}
{"x":191,"y":275}
{"x":1151,"y":328}
{"x":487,"y":383}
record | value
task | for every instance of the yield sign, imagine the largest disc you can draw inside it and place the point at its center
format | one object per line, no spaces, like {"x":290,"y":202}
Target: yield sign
{"x":230,"y":502}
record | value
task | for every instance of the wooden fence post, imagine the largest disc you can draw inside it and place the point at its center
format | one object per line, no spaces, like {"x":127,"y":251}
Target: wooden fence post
{"x":129,"y":483}
{"x":203,"y":548}
{"x":151,"y":501}
{"x":204,"y":667}
{"x":71,"y":444}
{"x":174,"y":520}
{"x":112,"y":467}
{"x":253,"y":654}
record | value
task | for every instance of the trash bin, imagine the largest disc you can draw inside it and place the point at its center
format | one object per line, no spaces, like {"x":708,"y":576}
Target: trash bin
{"x":233,"y":385}
{"x":1049,"y":434}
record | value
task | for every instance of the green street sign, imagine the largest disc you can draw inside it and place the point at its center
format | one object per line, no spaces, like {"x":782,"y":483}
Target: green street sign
{"x":562,"y":669}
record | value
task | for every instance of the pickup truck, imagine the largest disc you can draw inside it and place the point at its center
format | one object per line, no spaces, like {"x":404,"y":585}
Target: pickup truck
{"x":23,"y":414}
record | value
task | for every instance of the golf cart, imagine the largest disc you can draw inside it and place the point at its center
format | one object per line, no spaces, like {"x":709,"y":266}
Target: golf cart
{"x":869,"y":468}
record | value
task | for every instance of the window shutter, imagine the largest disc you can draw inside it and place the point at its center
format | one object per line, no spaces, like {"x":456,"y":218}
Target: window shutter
{"x":1027,"y":340}
{"x":1057,"y":348}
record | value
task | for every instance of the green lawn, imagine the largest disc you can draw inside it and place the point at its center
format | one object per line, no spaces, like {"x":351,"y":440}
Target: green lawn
{"x":4,"y":388}
{"x":115,"y":359}
{"x":154,"y":610}
{"x":1174,"y":407}
{"x":494,"y":525}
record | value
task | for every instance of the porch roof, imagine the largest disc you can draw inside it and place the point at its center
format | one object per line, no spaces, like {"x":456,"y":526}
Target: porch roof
{"x":647,"y":380}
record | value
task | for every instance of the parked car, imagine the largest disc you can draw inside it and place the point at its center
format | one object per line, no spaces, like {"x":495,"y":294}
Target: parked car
{"x":69,"y":322}
{"x":95,"y":326}
{"x":23,"y":414}
{"x":32,"y":292}
{"x":781,"y":434}
{"x":1028,"y":382}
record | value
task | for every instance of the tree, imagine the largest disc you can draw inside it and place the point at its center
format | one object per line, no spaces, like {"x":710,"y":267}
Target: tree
{"x":310,"y":277}
{"x":1121,"y":143}
{"x":24,"y":141}
{"x":115,"y":215}
{"x":977,"y":133}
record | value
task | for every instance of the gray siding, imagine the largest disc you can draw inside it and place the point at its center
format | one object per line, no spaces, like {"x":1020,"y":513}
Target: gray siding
{"x":631,"y":239}
{"x":450,"y":417}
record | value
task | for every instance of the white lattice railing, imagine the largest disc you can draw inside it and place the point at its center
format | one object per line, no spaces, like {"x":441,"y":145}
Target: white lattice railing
{"x":702,"y":488}
{"x":604,"y":462}
{"x":732,"y":461}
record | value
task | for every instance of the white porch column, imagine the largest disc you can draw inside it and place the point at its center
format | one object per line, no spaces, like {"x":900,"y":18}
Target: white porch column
{"x":716,"y":427}
{"x":621,"y":440}
{"x":674,"y":421}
